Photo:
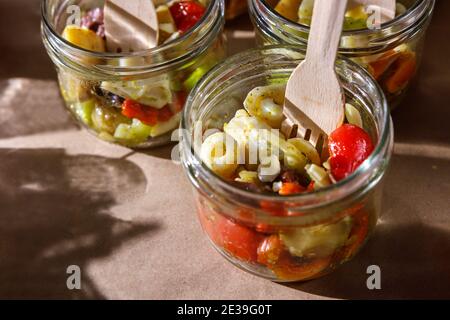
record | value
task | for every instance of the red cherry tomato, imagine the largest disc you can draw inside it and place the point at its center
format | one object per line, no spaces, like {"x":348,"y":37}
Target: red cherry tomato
{"x":349,"y":146}
{"x":238,"y":240}
{"x":186,"y":14}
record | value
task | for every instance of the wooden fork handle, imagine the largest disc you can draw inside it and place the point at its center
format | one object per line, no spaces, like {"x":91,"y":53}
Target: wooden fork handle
{"x":325,"y":33}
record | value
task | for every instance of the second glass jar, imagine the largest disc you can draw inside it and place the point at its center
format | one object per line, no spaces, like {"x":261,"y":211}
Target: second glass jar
{"x":391,"y":53}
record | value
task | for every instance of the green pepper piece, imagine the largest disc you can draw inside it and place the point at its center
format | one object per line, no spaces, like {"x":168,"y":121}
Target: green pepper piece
{"x":84,"y":111}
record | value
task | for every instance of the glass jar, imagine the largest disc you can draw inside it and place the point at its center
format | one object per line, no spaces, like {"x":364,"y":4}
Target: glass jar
{"x":94,"y":85}
{"x":302,"y":236}
{"x":391,"y":53}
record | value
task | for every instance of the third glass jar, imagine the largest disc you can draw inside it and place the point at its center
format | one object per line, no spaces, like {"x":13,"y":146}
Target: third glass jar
{"x":391,"y":53}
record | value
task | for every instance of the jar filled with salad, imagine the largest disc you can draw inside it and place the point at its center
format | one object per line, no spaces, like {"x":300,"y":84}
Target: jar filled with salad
{"x":132,"y":98}
{"x":391,"y":52}
{"x":270,"y":204}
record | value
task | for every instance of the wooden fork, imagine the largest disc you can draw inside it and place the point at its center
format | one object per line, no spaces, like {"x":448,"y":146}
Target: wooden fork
{"x":314,"y":100}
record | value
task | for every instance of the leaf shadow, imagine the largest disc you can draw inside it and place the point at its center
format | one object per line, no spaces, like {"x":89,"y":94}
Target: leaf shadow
{"x":55,"y":212}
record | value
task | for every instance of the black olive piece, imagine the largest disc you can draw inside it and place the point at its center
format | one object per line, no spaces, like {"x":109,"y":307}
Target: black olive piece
{"x":253,"y":187}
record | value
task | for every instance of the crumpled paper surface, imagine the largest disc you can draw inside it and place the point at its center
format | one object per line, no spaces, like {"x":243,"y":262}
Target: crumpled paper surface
{"x":127,"y":219}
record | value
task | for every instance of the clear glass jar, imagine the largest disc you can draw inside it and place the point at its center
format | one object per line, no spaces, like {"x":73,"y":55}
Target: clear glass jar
{"x":168,"y":72}
{"x":327,"y":227}
{"x":391,"y":53}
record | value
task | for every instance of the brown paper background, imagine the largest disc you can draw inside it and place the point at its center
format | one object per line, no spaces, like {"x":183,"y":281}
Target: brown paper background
{"x":128,"y":220}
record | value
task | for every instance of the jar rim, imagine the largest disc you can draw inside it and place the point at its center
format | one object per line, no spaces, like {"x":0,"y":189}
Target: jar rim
{"x":388,"y":24}
{"x":215,"y":8}
{"x":332,"y":193}
{"x":418,"y":12}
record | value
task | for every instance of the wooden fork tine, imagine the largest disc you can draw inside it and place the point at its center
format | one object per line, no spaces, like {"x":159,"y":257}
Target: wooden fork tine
{"x":289,"y":129}
{"x":324,"y":155}
{"x":315,"y":138}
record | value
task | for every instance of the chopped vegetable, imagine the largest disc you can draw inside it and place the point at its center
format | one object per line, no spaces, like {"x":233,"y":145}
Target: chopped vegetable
{"x":353,"y":116}
{"x":356,"y":18}
{"x":195,"y":77}
{"x":305,"y":12}
{"x":247,"y":176}
{"x":289,"y":269}
{"x":84,"y":111}
{"x":317,"y":241}
{"x":291,"y":188}
{"x":270,"y":250}
{"x":166,"y":23}
{"x":382,"y":64}
{"x":238,"y":240}
{"x":154,"y":92}
{"x":84,"y":38}
{"x":288,"y":8}
{"x":273,"y":253}
{"x":178,"y":102}
{"x":106,"y":119}
{"x":132,"y":109}
{"x":405,"y":68}
{"x":163,"y":127}
{"x":318,"y":175}
{"x":135,"y":133}
{"x":358,"y":234}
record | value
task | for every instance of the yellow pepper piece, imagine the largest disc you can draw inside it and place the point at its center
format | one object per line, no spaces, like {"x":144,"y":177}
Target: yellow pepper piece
{"x":84,"y":38}
{"x":357,"y":13}
{"x":288,"y":9}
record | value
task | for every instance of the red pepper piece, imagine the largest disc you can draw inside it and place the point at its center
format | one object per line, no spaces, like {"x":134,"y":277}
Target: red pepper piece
{"x":146,"y":114}
{"x":179,"y":101}
{"x":270,"y":250}
{"x":310,"y":187}
{"x":290,"y":188}
{"x":405,"y":68}
{"x":274,"y":254}
{"x":132,"y":109}
{"x":165,"y":114}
